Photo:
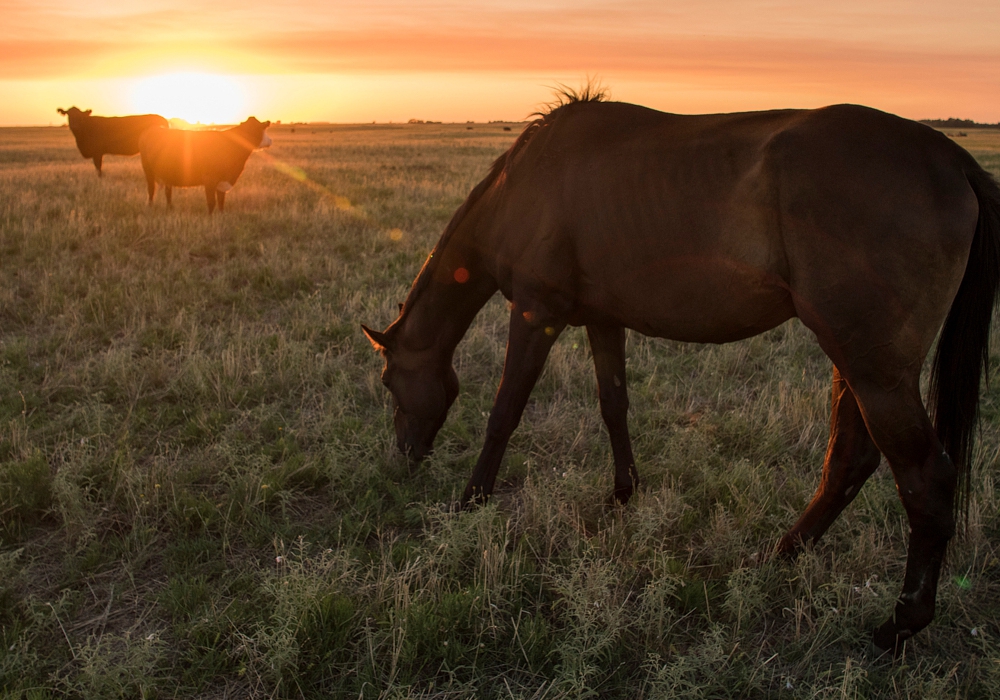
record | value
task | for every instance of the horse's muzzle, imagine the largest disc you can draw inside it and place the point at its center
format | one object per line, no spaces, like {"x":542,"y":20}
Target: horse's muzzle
{"x":414,"y":453}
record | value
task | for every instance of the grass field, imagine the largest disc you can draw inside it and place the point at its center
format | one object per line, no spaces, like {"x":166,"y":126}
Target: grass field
{"x":200,"y":494}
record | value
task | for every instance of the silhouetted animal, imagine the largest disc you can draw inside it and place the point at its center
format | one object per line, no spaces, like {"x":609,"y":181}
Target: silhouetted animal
{"x":209,"y":159}
{"x":871,"y":229}
{"x":100,"y":136}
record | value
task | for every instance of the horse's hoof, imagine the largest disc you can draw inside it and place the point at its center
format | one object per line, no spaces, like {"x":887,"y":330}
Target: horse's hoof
{"x":457,"y":507}
{"x":469,"y":503}
{"x":889,"y":642}
{"x":618,"y":498}
{"x":788,"y":548}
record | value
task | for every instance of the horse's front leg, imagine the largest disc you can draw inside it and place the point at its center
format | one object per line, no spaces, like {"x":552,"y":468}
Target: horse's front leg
{"x":529,"y":340}
{"x":608,"y":345}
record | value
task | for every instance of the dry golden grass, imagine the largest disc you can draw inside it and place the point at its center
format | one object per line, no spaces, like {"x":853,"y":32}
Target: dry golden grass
{"x":200,"y":494}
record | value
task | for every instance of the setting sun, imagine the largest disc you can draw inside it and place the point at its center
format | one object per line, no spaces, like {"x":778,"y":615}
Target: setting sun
{"x":195,"y":97}
{"x":484,"y":61}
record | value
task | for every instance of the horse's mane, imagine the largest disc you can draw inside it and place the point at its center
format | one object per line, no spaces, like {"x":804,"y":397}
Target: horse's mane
{"x":565,"y":97}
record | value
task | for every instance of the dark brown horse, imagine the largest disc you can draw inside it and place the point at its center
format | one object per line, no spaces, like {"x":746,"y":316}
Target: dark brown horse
{"x":871,"y":229}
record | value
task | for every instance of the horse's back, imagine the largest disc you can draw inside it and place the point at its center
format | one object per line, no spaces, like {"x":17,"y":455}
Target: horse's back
{"x":715,"y":227}
{"x":648,"y":219}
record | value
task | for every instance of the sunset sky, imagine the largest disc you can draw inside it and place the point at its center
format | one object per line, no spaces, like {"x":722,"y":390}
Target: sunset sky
{"x":458,"y":60}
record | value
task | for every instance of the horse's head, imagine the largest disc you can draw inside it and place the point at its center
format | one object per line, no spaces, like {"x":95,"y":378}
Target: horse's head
{"x":423,"y":387}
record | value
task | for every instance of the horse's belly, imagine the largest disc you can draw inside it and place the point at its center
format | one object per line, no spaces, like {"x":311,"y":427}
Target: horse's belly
{"x":703,"y":302}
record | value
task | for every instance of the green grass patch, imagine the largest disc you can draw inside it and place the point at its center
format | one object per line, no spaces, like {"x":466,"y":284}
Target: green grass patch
{"x":200,"y":493}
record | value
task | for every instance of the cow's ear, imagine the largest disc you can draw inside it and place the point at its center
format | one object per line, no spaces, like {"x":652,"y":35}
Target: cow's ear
{"x":87,"y":113}
{"x":379,"y":340}
{"x":267,"y":124}
{"x":60,"y":110}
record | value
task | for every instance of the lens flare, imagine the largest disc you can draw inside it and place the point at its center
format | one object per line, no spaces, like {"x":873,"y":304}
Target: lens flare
{"x":298,"y":174}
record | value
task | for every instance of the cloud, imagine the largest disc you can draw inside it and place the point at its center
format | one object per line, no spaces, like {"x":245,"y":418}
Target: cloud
{"x":44,"y":37}
{"x":854,"y":47}
{"x":354,"y":51}
{"x":333,"y":51}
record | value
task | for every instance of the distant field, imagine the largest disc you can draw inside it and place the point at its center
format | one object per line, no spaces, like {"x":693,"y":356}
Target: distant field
{"x":984,"y":144}
{"x":200,"y":494}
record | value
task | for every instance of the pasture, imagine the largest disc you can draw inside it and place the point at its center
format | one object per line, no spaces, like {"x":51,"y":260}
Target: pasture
{"x":201,"y":496}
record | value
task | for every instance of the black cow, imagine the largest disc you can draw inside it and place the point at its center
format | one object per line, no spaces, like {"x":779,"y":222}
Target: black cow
{"x":209,"y":159}
{"x":119,"y":136}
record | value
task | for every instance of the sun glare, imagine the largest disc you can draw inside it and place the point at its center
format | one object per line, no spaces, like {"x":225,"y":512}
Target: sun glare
{"x":195,"y":97}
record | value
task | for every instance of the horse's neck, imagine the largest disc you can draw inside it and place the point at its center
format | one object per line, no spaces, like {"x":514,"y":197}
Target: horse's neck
{"x":440,"y":315}
{"x":452,"y":286}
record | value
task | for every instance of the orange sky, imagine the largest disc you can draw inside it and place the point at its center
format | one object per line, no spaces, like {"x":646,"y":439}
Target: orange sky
{"x":455,"y":60}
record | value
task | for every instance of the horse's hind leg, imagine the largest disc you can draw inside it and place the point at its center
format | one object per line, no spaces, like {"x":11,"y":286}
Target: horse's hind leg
{"x":608,"y":345}
{"x":851,"y":457}
{"x":925,"y":479}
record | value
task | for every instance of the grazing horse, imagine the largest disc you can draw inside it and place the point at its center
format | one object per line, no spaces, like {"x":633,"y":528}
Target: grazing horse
{"x":871,"y":229}
{"x":99,"y":136}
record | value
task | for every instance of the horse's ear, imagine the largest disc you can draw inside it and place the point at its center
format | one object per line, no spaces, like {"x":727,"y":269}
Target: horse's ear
{"x":61,"y":110}
{"x":379,"y":340}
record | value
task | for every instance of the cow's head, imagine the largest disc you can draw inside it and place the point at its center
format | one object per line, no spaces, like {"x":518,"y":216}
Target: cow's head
{"x":73,"y":113}
{"x":257,"y":132}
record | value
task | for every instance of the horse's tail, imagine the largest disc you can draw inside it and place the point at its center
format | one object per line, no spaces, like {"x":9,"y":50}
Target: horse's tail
{"x":962,"y":354}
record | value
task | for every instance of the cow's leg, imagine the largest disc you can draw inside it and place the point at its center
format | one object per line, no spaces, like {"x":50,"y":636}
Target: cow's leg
{"x":151,"y":188}
{"x":220,"y":198}
{"x":851,"y":457}
{"x":608,"y":345}
{"x":98,"y":161}
{"x":529,"y":340}
{"x":210,"y":197}
{"x":169,"y":191}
